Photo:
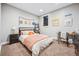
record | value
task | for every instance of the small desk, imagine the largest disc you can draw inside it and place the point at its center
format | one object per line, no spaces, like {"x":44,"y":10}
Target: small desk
{"x":76,"y":43}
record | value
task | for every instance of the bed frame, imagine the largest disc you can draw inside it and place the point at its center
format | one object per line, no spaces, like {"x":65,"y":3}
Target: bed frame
{"x":25,"y":29}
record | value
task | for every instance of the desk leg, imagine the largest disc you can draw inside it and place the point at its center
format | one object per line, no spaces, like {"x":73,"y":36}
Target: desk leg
{"x":58,"y":40}
{"x":67,"y":41}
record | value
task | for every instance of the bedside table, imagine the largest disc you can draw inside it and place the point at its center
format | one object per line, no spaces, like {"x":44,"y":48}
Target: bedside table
{"x":13,"y":38}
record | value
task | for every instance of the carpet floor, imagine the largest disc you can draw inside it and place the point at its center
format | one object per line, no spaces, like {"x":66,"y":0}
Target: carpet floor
{"x":55,"y":49}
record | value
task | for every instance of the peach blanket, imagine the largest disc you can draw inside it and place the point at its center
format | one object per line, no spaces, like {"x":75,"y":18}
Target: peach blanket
{"x":32,"y":39}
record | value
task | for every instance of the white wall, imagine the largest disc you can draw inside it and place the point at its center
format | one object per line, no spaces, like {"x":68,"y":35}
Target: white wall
{"x":10,"y":17}
{"x":52,"y":31}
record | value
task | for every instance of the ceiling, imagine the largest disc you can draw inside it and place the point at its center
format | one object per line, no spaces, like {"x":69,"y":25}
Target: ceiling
{"x":39,"y":8}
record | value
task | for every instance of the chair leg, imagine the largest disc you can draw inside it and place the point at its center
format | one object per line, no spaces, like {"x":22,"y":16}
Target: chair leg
{"x":76,"y":50}
{"x":58,"y":40}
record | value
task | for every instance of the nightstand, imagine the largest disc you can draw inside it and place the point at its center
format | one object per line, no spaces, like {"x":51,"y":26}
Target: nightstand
{"x":13,"y":38}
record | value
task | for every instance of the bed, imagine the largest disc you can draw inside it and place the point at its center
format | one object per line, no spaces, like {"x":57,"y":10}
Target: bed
{"x":34,"y":42}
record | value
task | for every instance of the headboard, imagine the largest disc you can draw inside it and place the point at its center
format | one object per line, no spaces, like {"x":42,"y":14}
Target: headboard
{"x":25,"y":29}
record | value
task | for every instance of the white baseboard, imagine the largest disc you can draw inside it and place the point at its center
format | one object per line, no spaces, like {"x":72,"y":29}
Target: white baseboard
{"x":0,"y":50}
{"x":3,"y":43}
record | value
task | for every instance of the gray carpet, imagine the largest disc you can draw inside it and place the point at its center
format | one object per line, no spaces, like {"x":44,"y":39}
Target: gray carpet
{"x":54,"y":49}
{"x":14,"y":50}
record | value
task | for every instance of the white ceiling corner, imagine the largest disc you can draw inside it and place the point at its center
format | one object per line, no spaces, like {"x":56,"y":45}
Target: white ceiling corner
{"x":34,"y":8}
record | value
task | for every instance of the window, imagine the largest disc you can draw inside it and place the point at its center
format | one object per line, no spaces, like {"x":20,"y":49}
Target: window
{"x":45,"y":22}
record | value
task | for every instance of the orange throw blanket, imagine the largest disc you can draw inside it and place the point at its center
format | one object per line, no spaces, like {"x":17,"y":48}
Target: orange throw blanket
{"x":32,"y":39}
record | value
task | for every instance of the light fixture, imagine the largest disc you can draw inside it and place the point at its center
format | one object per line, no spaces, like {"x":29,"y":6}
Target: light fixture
{"x":13,"y":29}
{"x":56,"y":3}
{"x":41,"y":10}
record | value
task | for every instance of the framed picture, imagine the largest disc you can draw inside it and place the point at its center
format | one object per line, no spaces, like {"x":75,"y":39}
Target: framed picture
{"x":55,"y":21}
{"x":24,"y":21}
{"x":20,"y":22}
{"x":45,"y":21}
{"x":68,"y":22}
